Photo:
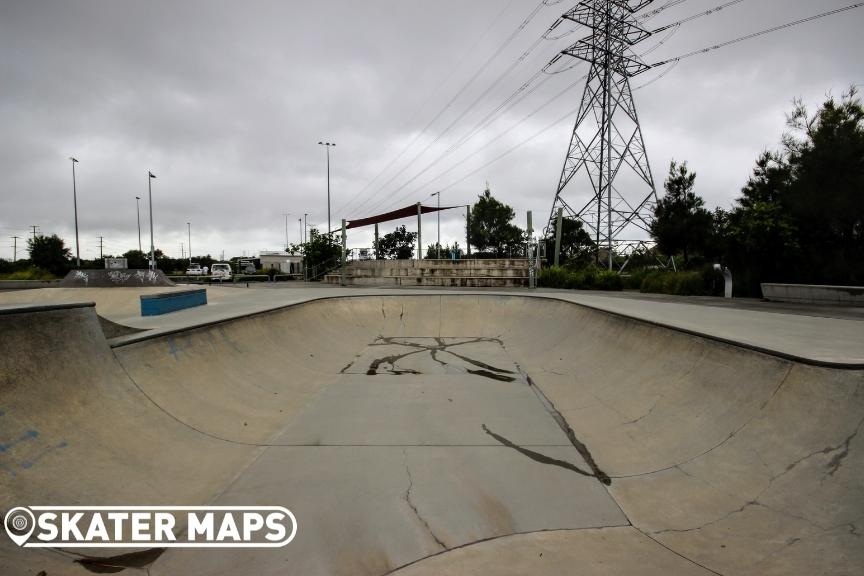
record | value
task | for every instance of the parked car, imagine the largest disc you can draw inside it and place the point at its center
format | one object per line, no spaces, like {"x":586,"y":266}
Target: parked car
{"x":194,"y":269}
{"x":221,"y":271}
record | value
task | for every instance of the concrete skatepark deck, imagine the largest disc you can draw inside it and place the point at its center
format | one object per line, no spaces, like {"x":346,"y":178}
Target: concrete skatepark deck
{"x":440,"y":434}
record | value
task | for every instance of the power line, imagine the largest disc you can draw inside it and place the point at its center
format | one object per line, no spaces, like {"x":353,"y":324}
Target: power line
{"x":708,"y":12}
{"x":440,"y":112}
{"x":447,"y":106}
{"x":672,"y":29}
{"x":760,"y":33}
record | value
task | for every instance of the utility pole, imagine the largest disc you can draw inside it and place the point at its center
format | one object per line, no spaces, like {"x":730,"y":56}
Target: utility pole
{"x":15,"y":248}
{"x":75,"y":203}
{"x":305,"y":227}
{"x":138,"y":213}
{"x":328,"y":145}
{"x":438,"y":194}
{"x":419,"y":231}
{"x":300,"y":225}
{"x":33,"y":228}
{"x":286,"y":214}
{"x":150,"y":178}
{"x":607,"y":143}
{"x":182,"y":251}
{"x":189,"y":232}
{"x":101,"y":243}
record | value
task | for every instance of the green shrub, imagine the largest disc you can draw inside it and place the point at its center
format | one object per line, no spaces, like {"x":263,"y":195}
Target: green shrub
{"x":554,"y":277}
{"x":693,"y":283}
{"x":587,"y":279}
{"x":31,"y":273}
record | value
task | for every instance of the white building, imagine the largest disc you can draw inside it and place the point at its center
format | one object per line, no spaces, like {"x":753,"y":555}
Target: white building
{"x":283,"y":261}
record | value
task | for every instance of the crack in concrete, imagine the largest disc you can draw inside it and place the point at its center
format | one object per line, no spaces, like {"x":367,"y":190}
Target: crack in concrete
{"x":486,"y":370}
{"x":413,"y":506}
{"x":712,"y":522}
{"x":536,"y":456}
{"x":570,"y":433}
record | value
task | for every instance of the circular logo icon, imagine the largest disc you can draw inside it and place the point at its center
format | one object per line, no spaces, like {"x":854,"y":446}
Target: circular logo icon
{"x":19,"y":523}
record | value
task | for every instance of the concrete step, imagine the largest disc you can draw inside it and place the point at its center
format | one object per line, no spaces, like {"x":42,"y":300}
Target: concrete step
{"x":456,"y":282}
{"x":424,"y":272}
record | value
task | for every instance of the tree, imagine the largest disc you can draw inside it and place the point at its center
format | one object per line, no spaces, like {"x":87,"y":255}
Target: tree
{"x":577,"y":248}
{"x":50,"y":253}
{"x":825,"y":198}
{"x":490,"y":228}
{"x":320,"y":250}
{"x":446,"y":251}
{"x":681,"y":223}
{"x":398,"y":245}
{"x":801,"y":214}
{"x":136,"y":259}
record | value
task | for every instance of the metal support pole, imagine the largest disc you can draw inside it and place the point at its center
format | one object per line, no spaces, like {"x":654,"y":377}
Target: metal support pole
{"x":344,"y":240}
{"x":150,"y":177}
{"x":532,"y":273}
{"x":189,"y":231}
{"x":419,"y":231}
{"x":15,"y":248}
{"x":377,"y":255}
{"x":559,"y":224}
{"x":300,"y":225}
{"x":75,"y":203}
{"x":304,"y":227}
{"x":468,"y":231}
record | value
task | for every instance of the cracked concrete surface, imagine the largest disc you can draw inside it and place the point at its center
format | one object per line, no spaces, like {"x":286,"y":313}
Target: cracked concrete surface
{"x":463,"y":434}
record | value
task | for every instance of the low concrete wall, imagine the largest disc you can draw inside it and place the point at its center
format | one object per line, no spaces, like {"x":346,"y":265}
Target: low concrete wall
{"x":808,"y":294}
{"x":165,"y":302}
{"x":28,"y":284}
{"x":114,"y":278}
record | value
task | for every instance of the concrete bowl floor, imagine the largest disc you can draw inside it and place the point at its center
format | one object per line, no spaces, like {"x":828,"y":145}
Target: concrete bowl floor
{"x":440,"y":434}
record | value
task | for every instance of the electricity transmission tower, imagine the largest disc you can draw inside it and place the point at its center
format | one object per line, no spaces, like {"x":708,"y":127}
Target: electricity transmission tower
{"x":607,"y":148}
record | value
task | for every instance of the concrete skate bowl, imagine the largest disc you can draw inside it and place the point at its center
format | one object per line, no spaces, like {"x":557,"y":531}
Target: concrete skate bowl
{"x":448,"y":434}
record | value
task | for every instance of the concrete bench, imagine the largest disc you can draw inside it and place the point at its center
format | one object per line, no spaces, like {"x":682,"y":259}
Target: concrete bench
{"x":806,"y":294}
{"x":165,"y":302}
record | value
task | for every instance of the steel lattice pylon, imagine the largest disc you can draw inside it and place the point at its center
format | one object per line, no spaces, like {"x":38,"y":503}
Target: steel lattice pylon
{"x":607,"y":143}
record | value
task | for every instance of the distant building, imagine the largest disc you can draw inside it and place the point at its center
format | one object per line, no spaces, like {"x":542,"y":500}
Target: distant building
{"x":283,"y":261}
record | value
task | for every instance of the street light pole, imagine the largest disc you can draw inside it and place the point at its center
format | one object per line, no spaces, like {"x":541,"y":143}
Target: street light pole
{"x":75,"y":202}
{"x":328,"y":145}
{"x":189,"y":244}
{"x":138,"y":212}
{"x":438,"y":194}
{"x":150,"y":177}
{"x":300,"y":225}
{"x":304,"y":227}
{"x":286,"y":214}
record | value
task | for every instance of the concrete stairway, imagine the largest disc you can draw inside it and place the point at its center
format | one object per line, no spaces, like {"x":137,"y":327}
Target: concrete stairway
{"x":456,"y":273}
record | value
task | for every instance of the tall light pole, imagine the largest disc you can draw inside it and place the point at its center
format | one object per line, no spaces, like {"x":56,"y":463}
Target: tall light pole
{"x":304,"y":226}
{"x":189,"y":231}
{"x":75,"y":203}
{"x":150,"y":177}
{"x":438,"y":194}
{"x":328,"y":145}
{"x":300,"y":225}
{"x":286,"y":214}
{"x":138,"y":212}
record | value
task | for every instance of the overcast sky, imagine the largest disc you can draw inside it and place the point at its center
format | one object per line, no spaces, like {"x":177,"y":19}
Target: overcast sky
{"x":226,"y":101}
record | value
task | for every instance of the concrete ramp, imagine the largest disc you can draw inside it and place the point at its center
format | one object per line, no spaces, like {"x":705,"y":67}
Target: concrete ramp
{"x":446,"y":434}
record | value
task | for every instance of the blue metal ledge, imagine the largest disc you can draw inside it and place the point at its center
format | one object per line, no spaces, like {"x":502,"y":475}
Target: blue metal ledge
{"x":156,"y":304}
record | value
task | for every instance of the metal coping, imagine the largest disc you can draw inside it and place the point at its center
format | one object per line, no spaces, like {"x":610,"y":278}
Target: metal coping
{"x":26,"y":308}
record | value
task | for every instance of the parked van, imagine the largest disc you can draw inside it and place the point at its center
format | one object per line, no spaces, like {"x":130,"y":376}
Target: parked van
{"x":221,"y":271}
